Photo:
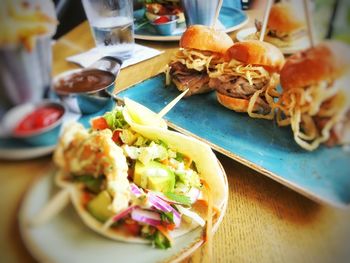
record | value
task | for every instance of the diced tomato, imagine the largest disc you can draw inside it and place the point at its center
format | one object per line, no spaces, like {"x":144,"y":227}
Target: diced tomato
{"x":116,"y":137}
{"x":170,"y":227}
{"x":99,"y":123}
{"x":161,"y":20}
{"x":85,"y":198}
{"x":133,"y":227}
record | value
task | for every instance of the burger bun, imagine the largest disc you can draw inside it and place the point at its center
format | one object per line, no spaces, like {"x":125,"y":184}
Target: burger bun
{"x":236,"y":104}
{"x":205,"y":38}
{"x":324,"y":62}
{"x":257,"y":52}
{"x":285,"y":18}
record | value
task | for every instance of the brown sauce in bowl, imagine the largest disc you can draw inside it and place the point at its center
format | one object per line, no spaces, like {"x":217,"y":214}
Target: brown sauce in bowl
{"x":88,"y":80}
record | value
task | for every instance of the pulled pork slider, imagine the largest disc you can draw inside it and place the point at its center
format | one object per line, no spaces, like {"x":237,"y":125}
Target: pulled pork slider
{"x":285,"y":25}
{"x":201,"y":48}
{"x":247,"y":81}
{"x":315,"y":99}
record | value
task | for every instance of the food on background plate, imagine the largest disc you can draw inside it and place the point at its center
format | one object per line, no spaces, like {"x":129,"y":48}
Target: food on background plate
{"x":315,"y":97}
{"x":201,"y":48}
{"x":285,"y":26}
{"x":164,"y":8}
{"x":247,"y":80}
{"x":136,"y":181}
{"x":21,"y":22}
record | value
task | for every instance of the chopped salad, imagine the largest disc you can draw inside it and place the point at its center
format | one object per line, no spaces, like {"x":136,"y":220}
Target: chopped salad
{"x":130,"y":183}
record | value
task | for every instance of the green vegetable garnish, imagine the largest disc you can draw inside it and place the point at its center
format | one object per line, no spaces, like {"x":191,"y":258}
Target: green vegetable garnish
{"x":167,"y":217}
{"x":179,"y":157}
{"x":182,"y":199}
{"x":93,"y":184}
{"x":160,"y":241}
{"x":115,"y":119}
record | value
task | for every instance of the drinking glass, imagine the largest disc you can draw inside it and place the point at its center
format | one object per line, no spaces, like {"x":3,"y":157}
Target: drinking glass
{"x":112,"y":26}
{"x":200,"y":12}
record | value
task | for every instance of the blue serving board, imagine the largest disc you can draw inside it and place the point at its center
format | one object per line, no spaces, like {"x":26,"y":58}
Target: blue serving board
{"x":322,"y":175}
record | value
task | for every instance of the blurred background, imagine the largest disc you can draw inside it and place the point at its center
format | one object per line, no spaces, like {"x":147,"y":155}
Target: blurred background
{"x":331,"y":17}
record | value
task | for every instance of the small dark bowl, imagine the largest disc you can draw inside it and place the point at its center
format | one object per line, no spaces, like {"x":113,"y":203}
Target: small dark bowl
{"x":85,"y":99}
{"x":45,"y":136}
{"x":85,"y":102}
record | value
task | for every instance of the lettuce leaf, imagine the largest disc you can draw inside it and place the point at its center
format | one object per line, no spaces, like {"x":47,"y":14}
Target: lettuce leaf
{"x":115,"y":119}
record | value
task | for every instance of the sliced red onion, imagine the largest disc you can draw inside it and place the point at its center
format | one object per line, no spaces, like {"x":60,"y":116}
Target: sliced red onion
{"x":123,"y":213}
{"x":194,"y":216}
{"x":118,"y":216}
{"x":163,"y":206}
{"x":146,"y":217}
{"x":135,"y":190}
{"x":194,"y":194}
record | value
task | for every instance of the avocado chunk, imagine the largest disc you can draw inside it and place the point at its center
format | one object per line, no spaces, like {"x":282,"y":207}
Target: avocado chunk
{"x":154,"y":176}
{"x":98,"y":207}
{"x":93,"y":184}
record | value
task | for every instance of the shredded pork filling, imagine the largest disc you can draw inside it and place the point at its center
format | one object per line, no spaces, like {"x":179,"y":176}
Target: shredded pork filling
{"x":239,"y":87}
{"x":235,"y":86}
{"x":196,"y":81}
{"x":317,"y":114}
{"x":338,"y":131}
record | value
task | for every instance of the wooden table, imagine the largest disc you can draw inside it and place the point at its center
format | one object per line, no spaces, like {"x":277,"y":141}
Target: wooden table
{"x":264,"y":222}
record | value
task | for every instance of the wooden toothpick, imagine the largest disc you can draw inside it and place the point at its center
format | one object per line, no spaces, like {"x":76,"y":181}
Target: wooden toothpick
{"x":217,"y":12}
{"x":310,"y":28}
{"x":171,"y":104}
{"x":266,"y":19}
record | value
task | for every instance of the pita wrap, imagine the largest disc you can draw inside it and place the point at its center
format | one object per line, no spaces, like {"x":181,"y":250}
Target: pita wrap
{"x":149,"y":125}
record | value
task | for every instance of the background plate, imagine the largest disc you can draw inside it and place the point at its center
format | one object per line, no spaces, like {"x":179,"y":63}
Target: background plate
{"x":301,"y":44}
{"x":12,"y":149}
{"x":230,"y":18}
{"x":66,"y":239}
{"x":322,"y":175}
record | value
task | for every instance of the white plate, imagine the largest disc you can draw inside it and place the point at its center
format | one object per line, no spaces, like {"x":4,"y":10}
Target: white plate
{"x":301,"y":44}
{"x":230,"y":19}
{"x":25,"y":153}
{"x":67,"y":239}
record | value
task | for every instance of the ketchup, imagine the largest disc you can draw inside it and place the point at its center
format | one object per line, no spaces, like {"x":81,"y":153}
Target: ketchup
{"x":162,"y":20}
{"x":39,"y":118}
